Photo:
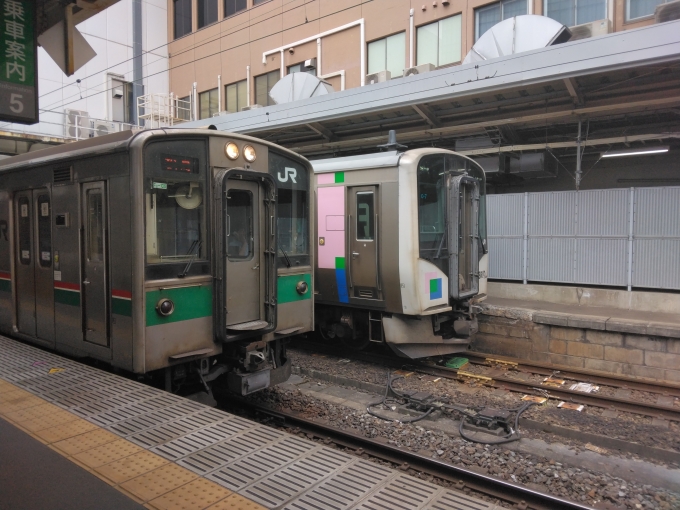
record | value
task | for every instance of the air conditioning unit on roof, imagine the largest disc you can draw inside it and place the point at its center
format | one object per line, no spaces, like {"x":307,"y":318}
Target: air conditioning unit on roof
{"x":422,"y":68}
{"x":76,"y":124}
{"x":251,"y":107}
{"x":592,"y":29}
{"x":378,"y":77}
{"x":667,"y":12}
{"x":102,"y":127}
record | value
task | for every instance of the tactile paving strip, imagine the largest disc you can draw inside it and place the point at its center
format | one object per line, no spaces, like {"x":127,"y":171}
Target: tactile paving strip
{"x":169,"y":452}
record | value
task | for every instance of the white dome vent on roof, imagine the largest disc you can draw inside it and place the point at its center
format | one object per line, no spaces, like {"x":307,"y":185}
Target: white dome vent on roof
{"x":516,"y":35}
{"x":296,"y":86}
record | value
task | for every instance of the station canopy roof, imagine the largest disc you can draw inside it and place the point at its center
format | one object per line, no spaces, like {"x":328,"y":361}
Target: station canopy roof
{"x":624,"y":87}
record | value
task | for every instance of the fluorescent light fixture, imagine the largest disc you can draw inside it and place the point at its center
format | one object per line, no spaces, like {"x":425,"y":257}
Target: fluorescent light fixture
{"x":642,"y":151}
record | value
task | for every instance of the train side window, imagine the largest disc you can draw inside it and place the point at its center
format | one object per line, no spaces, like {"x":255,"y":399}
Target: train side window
{"x":365,"y":216}
{"x":44,"y":231}
{"x":24,"y":231}
{"x":95,"y":226}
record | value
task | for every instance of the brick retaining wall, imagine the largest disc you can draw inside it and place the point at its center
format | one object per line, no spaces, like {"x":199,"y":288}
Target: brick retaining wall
{"x":578,"y":341}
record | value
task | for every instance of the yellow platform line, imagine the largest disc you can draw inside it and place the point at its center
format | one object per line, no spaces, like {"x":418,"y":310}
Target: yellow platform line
{"x":141,"y":475}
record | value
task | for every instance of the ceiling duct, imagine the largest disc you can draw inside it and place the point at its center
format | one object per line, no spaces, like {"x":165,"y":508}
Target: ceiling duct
{"x":297,"y":86}
{"x":533,"y":165}
{"x":516,"y":35}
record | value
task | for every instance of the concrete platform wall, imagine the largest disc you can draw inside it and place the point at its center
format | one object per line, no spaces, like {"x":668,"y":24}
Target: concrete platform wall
{"x":584,"y":342}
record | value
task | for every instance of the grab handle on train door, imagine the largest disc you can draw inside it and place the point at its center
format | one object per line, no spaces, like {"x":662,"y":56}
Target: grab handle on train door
{"x":349,"y":240}
{"x":377,"y":255}
{"x":228,"y":226}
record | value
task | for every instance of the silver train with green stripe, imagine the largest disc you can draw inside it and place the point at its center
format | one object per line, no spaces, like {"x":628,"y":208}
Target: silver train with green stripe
{"x":183,"y":254}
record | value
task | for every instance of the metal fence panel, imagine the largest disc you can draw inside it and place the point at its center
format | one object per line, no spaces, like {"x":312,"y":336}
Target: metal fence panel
{"x":601,"y":262}
{"x":505,"y":258}
{"x":552,"y":214}
{"x":656,"y":263}
{"x":588,"y":237}
{"x":603,"y":213}
{"x":507,"y":212}
{"x":551,"y":259}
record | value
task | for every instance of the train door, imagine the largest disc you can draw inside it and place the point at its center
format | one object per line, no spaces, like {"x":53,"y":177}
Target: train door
{"x":95,"y":264}
{"x":363,"y":242}
{"x":243,"y":255}
{"x":35,"y":293}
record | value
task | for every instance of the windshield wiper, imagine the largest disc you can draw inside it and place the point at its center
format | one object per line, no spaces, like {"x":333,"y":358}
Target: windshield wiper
{"x":197,"y":246}
{"x":285,"y":255}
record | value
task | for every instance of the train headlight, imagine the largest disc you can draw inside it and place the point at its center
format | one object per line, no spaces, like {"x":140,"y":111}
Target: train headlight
{"x":249,"y":153}
{"x":231,"y":150}
{"x":302,"y":288}
{"x":165,"y":307}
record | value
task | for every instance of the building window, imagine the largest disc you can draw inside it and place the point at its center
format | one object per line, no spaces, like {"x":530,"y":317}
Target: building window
{"x":231,"y":7}
{"x":236,"y":94}
{"x":207,"y":12}
{"x":439,"y":42}
{"x":641,"y":8}
{"x":182,"y":10}
{"x":387,"y":54}
{"x":208,"y":104}
{"x":575,"y":12}
{"x":263,"y":86}
{"x":258,"y":2}
{"x":300,"y":68}
{"x":489,"y":15}
{"x":183,"y":108}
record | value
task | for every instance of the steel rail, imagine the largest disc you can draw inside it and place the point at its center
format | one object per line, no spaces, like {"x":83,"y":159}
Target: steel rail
{"x":522,"y":497}
{"x":578,"y":397}
{"x":590,"y":376}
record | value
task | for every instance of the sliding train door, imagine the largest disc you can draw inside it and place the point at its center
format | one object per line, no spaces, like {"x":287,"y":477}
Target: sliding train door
{"x":363,"y":242}
{"x":34,"y":272}
{"x":94,"y":264}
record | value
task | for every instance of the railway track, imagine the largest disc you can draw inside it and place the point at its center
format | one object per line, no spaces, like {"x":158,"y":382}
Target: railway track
{"x":461,"y":479}
{"x":498,"y":378}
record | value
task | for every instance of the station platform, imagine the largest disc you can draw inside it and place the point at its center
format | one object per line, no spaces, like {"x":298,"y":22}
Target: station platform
{"x":73,"y":436}
{"x":634,"y":334}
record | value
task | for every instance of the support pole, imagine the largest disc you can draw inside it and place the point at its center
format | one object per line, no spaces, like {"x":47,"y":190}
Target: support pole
{"x":137,"y":77}
{"x":579,"y":154}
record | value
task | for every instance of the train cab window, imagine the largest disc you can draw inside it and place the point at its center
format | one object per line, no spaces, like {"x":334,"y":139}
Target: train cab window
{"x":24,"y":231}
{"x":365,"y":216}
{"x":44,"y":231}
{"x":292,"y":210}
{"x":432,"y":206}
{"x":239,"y":225}
{"x":176,"y":220}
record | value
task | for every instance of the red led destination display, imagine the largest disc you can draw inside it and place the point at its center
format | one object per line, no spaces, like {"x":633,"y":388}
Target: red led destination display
{"x":183,"y":164}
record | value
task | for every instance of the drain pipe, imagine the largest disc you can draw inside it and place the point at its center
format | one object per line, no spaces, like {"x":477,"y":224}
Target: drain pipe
{"x":318,"y":56}
{"x":247,"y":85}
{"x":411,"y":42}
{"x":219,"y":93}
{"x":362,"y":57}
{"x":283,"y":72}
{"x":194,"y":100}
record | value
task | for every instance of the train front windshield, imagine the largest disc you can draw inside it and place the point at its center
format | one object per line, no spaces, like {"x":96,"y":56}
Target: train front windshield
{"x":292,"y":211}
{"x":432,"y":172}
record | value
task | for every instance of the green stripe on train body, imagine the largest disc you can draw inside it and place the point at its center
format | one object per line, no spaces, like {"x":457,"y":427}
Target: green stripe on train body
{"x":121,"y":306}
{"x":287,"y":288}
{"x":190,"y":303}
{"x":67,"y":297}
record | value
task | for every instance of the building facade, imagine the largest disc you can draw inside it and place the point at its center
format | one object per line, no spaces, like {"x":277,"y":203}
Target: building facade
{"x":234,"y":51}
{"x":98,"y":98}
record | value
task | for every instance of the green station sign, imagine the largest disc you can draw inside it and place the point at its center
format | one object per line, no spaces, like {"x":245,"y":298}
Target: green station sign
{"x":18,"y":62}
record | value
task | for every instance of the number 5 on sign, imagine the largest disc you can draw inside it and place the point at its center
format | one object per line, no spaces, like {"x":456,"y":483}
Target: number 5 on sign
{"x":16,"y":103}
